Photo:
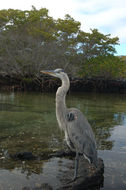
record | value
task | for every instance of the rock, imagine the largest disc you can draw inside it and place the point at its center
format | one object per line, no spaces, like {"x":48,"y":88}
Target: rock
{"x":46,"y":186}
{"x":63,"y":153}
{"x":43,"y":186}
{"x":23,"y":156}
{"x":88,"y":176}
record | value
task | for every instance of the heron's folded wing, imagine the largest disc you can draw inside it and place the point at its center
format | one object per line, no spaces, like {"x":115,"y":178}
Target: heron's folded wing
{"x":81,"y":134}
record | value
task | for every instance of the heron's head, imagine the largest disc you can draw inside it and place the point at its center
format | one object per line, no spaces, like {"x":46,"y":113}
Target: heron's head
{"x":59,"y":73}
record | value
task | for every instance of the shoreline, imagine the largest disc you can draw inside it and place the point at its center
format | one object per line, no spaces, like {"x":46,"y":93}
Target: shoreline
{"x":49,"y":84}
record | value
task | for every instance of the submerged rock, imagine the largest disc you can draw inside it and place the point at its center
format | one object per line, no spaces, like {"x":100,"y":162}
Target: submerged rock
{"x":43,"y":186}
{"x":23,"y":156}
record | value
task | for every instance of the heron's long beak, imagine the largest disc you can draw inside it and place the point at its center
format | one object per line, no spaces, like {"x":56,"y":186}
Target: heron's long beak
{"x":49,"y":72}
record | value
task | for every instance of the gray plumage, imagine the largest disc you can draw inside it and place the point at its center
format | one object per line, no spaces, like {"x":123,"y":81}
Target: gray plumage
{"x":78,"y":132}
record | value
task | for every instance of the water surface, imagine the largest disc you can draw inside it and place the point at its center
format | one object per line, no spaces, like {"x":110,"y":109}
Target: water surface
{"x":28,"y":123}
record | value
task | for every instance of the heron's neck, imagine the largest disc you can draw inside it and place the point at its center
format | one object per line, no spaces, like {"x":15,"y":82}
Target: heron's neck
{"x":61,"y":108}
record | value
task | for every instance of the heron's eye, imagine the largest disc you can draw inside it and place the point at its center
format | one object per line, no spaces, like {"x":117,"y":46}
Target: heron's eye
{"x":59,"y":70}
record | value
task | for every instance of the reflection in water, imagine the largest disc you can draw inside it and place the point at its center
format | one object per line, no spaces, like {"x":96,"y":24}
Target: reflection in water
{"x":28,"y":123}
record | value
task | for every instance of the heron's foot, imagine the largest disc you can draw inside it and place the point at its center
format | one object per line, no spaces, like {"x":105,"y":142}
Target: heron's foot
{"x":75,"y":176}
{"x":72,"y":180}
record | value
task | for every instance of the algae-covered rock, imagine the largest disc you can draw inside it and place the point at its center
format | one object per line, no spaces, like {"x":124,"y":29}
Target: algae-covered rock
{"x":88,"y":176}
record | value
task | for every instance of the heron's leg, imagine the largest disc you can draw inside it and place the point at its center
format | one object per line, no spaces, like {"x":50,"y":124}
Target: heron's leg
{"x":76,"y":165}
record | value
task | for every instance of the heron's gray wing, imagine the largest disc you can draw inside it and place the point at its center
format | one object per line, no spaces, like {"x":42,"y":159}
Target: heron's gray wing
{"x":81,"y":134}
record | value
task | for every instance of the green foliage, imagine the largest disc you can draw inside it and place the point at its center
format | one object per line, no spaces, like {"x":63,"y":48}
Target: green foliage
{"x":31,"y":40}
{"x":68,"y":25}
{"x":106,"y":67}
{"x":96,"y":44}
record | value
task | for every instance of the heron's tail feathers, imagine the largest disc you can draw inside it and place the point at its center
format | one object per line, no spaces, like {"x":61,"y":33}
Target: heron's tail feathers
{"x":87,"y":158}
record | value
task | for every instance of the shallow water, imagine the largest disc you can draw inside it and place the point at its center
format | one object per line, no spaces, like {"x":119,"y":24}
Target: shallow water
{"x":28,"y":124}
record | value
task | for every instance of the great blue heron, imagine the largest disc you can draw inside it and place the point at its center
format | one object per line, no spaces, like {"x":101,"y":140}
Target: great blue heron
{"x":78,"y":132}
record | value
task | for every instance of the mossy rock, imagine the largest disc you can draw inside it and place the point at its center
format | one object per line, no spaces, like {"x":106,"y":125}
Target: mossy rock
{"x":88,"y":176}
